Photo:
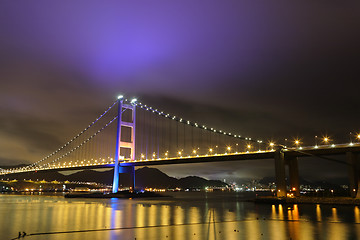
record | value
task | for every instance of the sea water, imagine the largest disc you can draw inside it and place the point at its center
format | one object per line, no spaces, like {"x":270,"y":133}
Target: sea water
{"x":186,"y":215}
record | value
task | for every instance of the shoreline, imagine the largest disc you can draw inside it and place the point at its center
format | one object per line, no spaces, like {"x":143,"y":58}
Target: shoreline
{"x":308,"y":200}
{"x":115,"y":195}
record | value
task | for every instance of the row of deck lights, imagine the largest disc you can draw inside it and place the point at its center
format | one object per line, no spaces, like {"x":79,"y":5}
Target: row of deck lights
{"x":297,"y":142}
{"x":65,"y":164}
{"x":325,"y":140}
{"x":180,"y":153}
{"x":195,"y":152}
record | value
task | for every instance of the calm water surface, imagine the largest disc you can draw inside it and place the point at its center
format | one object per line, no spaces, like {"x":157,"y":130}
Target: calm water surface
{"x":186,"y":216}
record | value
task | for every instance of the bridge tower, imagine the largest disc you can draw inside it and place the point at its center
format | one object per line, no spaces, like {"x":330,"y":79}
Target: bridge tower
{"x":120,"y":144}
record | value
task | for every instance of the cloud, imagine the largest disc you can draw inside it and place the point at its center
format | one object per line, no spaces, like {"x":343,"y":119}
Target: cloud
{"x":253,"y":68}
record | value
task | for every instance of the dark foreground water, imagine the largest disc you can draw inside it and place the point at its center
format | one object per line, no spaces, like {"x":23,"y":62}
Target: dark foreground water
{"x":187,"y":216}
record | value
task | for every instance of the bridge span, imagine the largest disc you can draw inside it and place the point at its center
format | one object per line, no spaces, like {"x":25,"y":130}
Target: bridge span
{"x":282,"y":157}
{"x":163,"y":139}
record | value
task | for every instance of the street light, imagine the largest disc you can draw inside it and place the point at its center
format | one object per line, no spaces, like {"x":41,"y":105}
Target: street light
{"x":249,"y":147}
{"x":326,"y":140}
{"x":271,"y":144}
{"x":228,"y":148}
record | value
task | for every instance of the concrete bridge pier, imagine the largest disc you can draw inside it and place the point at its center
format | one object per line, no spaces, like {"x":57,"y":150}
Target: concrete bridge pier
{"x":280,"y":173}
{"x":294,"y":176}
{"x":354,"y":180}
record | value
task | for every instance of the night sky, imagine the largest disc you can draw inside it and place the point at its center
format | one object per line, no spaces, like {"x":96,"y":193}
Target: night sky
{"x":269,"y":70}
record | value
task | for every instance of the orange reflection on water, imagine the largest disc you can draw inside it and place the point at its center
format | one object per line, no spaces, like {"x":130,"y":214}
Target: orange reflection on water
{"x":336,"y":230}
{"x":179,"y":215}
{"x":334,"y":215}
{"x":140,"y":216}
{"x":281,"y":212}
{"x":318,"y":213}
{"x":295,"y":212}
{"x":165,"y":215}
{"x":156,"y":220}
{"x":357,"y":214}
{"x":276,"y":228}
{"x":151,"y":215}
{"x":294,"y":225}
{"x":253,"y":229}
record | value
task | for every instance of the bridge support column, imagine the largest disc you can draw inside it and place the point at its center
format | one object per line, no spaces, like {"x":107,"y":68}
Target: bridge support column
{"x":294,"y":176}
{"x":115,"y":186}
{"x":280,"y":173}
{"x":352,"y":159}
{"x":126,"y":144}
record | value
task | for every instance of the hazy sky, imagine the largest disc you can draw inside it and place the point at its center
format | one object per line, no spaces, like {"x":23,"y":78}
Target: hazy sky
{"x":265,"y":69}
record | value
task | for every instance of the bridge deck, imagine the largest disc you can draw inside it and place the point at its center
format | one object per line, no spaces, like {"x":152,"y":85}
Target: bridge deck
{"x":291,"y":152}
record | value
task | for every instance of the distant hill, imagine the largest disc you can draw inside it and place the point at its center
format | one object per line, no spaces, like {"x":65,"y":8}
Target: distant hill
{"x":92,"y":176}
{"x":153,"y":177}
{"x":48,"y":176}
{"x":14,"y":166}
{"x":198,"y":182}
{"x":145,"y":177}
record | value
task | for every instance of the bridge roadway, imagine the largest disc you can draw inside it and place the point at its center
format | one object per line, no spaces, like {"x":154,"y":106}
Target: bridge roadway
{"x":289,"y":153}
{"x":282,"y":158}
{"x":323,"y":150}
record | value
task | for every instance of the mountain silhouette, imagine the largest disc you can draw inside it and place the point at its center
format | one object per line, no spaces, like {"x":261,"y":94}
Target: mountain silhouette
{"x":144,"y":178}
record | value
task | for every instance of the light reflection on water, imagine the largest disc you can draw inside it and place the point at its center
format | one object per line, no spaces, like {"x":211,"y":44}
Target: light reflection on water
{"x":218,"y":217}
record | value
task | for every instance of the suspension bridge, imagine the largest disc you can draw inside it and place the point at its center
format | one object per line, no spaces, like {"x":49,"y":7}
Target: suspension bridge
{"x":130,"y":134}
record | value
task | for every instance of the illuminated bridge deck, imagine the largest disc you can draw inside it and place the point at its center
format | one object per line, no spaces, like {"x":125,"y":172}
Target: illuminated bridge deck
{"x":270,"y":154}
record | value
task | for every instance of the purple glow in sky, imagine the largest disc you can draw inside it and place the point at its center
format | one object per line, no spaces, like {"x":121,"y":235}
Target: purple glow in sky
{"x":266,"y":69}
